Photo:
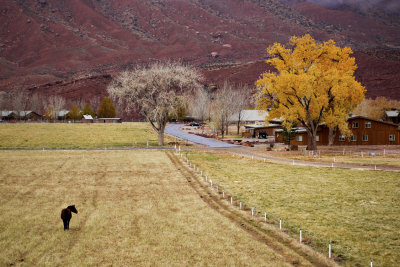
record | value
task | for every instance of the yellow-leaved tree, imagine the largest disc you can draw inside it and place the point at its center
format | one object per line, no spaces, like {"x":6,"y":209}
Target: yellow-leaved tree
{"x":313,"y":84}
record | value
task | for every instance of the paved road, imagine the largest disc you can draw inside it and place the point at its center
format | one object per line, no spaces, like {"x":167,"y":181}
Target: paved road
{"x":175,"y":130}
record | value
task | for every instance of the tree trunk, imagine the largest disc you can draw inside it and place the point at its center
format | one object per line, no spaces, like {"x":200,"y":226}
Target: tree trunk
{"x":332,"y":135}
{"x":162,"y":123}
{"x":238,"y":124}
{"x":311,"y":142}
{"x":161,"y":138}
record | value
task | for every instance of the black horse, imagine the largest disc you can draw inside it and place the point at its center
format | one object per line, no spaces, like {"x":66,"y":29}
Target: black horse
{"x":66,"y":215}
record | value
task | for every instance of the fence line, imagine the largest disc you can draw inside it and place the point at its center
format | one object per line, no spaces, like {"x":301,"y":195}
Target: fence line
{"x":253,"y":208}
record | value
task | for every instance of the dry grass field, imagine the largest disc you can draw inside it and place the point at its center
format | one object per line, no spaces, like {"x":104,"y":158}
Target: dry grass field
{"x":357,"y":211}
{"x":77,"y":135}
{"x":135,"y":209}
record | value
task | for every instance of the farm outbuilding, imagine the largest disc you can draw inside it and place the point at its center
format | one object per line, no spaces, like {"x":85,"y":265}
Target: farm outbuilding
{"x":249,"y":116}
{"x":109,"y":120}
{"x":87,"y":118}
{"x":63,"y":114}
{"x":393,"y":116}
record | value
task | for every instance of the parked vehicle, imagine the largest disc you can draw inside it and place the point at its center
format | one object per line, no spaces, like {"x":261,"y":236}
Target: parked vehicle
{"x":194,"y":124}
{"x":262,"y":135}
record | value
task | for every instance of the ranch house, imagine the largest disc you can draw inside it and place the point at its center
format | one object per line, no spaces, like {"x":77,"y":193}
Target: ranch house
{"x":27,"y":115}
{"x":255,"y":130}
{"x":30,"y":115}
{"x":366,"y":131}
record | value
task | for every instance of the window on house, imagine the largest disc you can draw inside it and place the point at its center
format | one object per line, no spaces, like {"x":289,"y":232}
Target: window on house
{"x":368,"y":124}
{"x":341,"y":138}
{"x":355,"y":124}
{"x":299,"y":138}
{"x":391,"y":137}
{"x":317,"y":138}
{"x":365,"y":137}
{"x":353,"y":138}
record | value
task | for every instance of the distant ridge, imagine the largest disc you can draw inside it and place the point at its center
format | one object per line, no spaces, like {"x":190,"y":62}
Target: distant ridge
{"x":72,"y":47}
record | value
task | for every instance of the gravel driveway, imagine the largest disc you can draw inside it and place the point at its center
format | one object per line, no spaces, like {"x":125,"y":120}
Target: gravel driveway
{"x":175,"y":130}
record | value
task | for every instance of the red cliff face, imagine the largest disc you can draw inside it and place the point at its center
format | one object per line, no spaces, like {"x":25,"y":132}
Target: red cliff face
{"x":72,"y":47}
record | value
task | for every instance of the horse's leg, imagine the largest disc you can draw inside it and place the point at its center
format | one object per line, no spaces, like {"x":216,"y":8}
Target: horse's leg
{"x":68,"y":224}
{"x":65,"y":224}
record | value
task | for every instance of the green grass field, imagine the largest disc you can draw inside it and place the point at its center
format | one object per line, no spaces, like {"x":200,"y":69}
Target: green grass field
{"x":389,"y":160}
{"x":134,"y":209}
{"x":358,"y":211}
{"x":77,"y":135}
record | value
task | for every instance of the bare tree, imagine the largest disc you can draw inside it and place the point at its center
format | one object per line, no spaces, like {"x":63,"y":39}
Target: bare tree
{"x":95,"y":102}
{"x":20,"y":102}
{"x":5,"y":100}
{"x":155,"y":90}
{"x":199,"y":105}
{"x":222,"y":107}
{"x":241,"y":100}
{"x":57,"y":103}
{"x":36,"y":104}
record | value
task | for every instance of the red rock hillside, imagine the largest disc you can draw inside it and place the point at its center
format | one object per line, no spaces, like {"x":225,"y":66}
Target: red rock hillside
{"x":73,"y":47}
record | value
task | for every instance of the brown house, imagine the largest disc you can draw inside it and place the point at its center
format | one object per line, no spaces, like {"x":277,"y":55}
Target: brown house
{"x":254,"y":130}
{"x":30,"y":116}
{"x":26,"y":115}
{"x":8,"y":115}
{"x":366,"y":131}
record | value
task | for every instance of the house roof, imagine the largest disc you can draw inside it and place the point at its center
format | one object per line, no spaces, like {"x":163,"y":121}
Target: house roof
{"x":25,"y":113}
{"x":298,"y":130}
{"x":63,"y":113}
{"x":22,"y":113}
{"x":109,"y":118}
{"x":366,"y":118}
{"x":88,"y":117}
{"x":5,"y":113}
{"x":249,"y":115}
{"x":257,"y":126}
{"x":392,"y":113}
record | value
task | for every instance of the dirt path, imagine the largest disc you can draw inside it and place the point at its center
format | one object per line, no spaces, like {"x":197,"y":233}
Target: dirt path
{"x":290,"y":249}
